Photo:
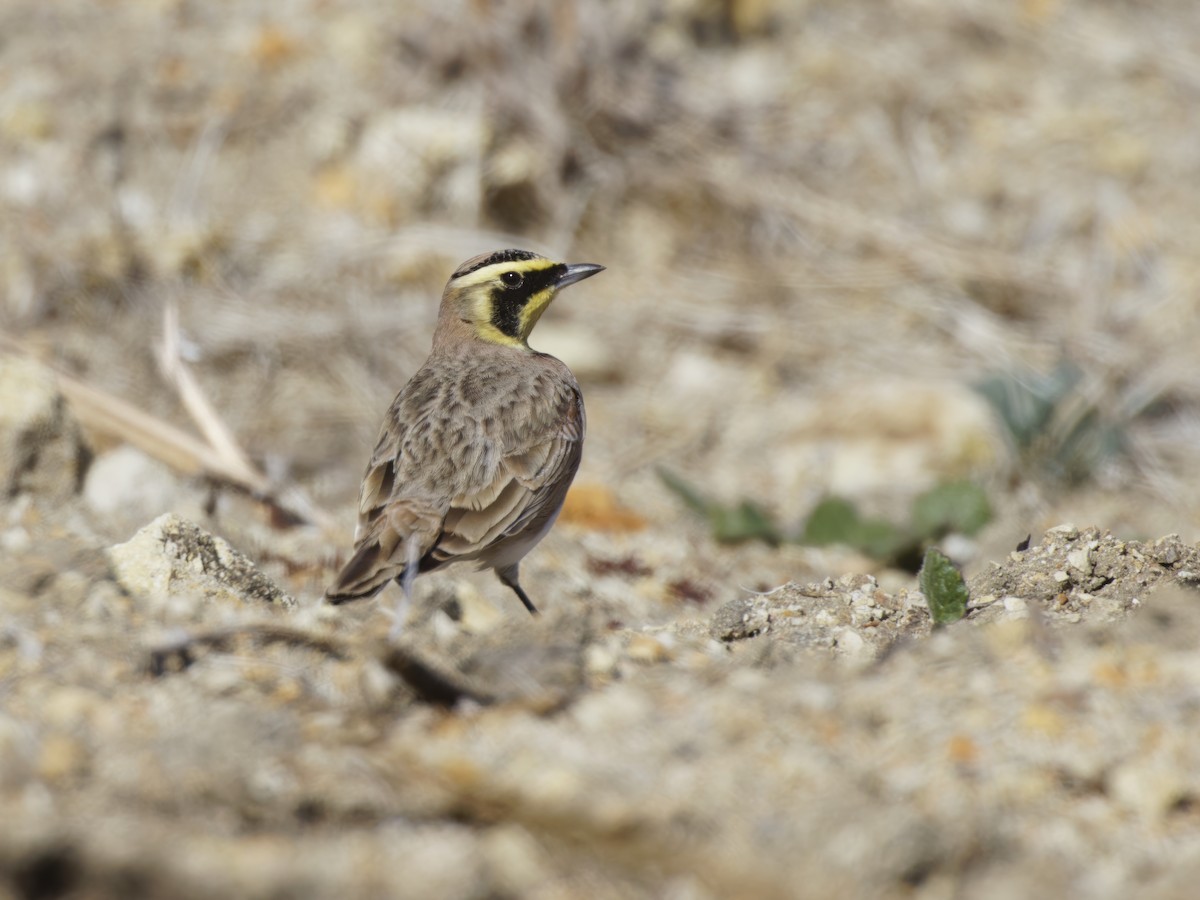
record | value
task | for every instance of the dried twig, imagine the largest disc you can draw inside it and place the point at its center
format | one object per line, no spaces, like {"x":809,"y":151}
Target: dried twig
{"x":220,"y":439}
{"x":177,"y":654}
{"x":104,"y":413}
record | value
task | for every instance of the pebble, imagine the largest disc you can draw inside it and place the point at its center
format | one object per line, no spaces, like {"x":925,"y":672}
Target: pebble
{"x":1147,"y":789}
{"x":1066,"y":531}
{"x":850,"y":641}
{"x":649,"y":649}
{"x":126,"y":482}
{"x":1080,"y":559}
{"x":42,"y":450}
{"x":172,"y":558}
{"x":600,"y":661}
{"x":1015,"y":605}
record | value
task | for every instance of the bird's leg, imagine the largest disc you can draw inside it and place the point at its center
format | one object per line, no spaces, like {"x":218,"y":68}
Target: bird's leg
{"x":412,"y":561}
{"x":509,"y":577}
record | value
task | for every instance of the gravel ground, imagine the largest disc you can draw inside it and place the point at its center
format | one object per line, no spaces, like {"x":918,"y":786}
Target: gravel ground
{"x":824,"y":225}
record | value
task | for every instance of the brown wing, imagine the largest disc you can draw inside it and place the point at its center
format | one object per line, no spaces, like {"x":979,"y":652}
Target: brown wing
{"x":525,"y":489}
{"x":396,"y":519}
{"x":444,"y":485}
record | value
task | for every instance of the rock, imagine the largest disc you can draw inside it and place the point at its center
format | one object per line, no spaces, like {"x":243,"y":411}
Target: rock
{"x":126,"y":482}
{"x":1085,"y":571}
{"x":42,"y":450}
{"x":647,"y":648}
{"x":739,"y":619}
{"x":172,"y":557}
{"x":1148,"y":789}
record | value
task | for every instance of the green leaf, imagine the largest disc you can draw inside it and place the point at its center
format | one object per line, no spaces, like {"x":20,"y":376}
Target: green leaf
{"x":1026,"y":401}
{"x":744,"y":522}
{"x":943,"y":587}
{"x":730,"y":524}
{"x":833,"y":521}
{"x":881,"y":540}
{"x":957,"y":506}
{"x":694,"y":500}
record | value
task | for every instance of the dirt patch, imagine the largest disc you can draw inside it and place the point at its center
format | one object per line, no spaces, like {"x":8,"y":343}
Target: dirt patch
{"x":824,"y":226}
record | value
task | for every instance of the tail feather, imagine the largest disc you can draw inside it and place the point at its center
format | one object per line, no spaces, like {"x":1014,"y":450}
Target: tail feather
{"x":362,"y":576}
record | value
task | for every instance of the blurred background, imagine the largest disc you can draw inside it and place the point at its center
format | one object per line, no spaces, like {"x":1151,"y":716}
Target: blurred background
{"x":857,"y":252}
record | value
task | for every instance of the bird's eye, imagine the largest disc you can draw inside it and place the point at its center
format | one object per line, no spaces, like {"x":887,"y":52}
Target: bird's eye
{"x":512,"y":279}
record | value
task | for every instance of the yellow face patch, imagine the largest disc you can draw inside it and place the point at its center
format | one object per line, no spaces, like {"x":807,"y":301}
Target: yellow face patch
{"x":506,"y":299}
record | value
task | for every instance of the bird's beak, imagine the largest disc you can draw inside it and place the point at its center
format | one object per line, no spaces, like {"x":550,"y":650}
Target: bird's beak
{"x":578,"y":272}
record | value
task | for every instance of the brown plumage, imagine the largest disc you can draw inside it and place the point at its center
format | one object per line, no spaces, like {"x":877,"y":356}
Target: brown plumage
{"x":477,"y":451}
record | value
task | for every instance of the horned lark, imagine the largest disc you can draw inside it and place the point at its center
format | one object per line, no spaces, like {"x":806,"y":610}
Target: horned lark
{"x":477,"y":451}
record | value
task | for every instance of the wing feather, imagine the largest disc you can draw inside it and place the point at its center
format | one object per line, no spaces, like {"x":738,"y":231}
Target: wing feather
{"x":465,"y":482}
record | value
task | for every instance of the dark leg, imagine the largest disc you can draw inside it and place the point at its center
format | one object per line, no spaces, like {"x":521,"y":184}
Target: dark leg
{"x":509,"y":577}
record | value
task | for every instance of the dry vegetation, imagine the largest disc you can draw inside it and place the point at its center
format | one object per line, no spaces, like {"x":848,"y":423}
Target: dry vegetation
{"x":224,"y":227}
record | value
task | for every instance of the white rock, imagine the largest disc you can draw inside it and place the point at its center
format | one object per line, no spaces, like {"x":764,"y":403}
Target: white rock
{"x":850,"y":642}
{"x":172,"y":558}
{"x":1080,"y":559}
{"x":41,"y":448}
{"x":126,"y":481}
{"x":1147,"y":789}
{"x":1015,"y":605}
{"x":1066,"y":530}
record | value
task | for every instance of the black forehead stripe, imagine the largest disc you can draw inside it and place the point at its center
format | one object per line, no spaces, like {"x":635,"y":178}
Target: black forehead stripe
{"x":500,"y":256}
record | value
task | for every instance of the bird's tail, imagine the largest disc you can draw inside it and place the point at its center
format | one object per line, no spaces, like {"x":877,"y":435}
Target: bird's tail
{"x":362,"y":576}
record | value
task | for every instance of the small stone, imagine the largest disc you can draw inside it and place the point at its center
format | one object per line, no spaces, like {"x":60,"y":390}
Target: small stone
{"x":125,"y":481}
{"x":42,"y":450}
{"x":1066,"y":531}
{"x":15,"y":540}
{"x":1060,"y":576}
{"x":174,"y":558}
{"x":476,"y":614}
{"x":1147,"y":789}
{"x":600,"y":661}
{"x":739,"y":619}
{"x":1080,"y":559}
{"x":648,"y":649}
{"x":851,"y":642}
{"x":1015,"y":605}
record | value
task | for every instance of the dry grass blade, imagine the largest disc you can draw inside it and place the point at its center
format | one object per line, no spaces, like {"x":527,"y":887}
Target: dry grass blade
{"x":103,"y":413}
{"x":220,"y":439}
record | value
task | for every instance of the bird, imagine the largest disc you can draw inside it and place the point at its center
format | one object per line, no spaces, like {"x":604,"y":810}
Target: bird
{"x":477,"y":451}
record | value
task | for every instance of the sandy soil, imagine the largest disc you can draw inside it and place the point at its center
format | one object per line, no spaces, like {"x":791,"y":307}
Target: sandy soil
{"x":825,"y":224}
